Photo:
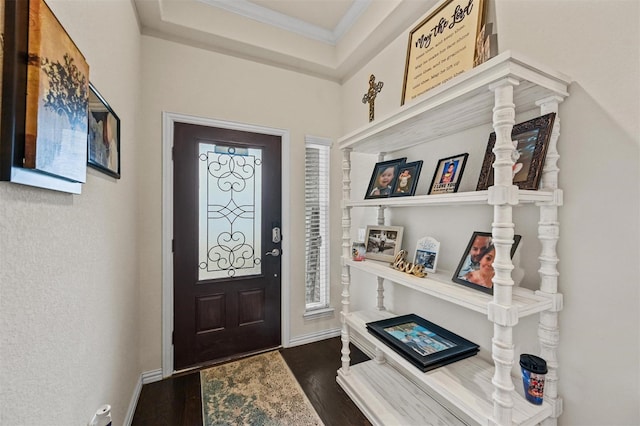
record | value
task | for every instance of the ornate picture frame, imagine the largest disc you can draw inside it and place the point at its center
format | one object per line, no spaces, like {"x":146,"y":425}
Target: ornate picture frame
{"x":103,"y":141}
{"x":383,"y":242}
{"x":407,"y":179}
{"x":448,"y":174}
{"x":424,"y":344}
{"x":383,"y":178}
{"x":531,"y":139}
{"x":475,"y":269}
{"x":427,"y":250}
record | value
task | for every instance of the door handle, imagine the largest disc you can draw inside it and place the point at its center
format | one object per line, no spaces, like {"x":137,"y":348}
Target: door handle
{"x":275,"y":253}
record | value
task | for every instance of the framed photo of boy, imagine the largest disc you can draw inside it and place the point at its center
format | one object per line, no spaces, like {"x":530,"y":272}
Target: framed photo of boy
{"x":476,"y":266}
{"x":383,"y":178}
{"x":383,"y":242}
{"x":407,"y":179}
{"x":531,"y":140}
{"x":448,"y":174}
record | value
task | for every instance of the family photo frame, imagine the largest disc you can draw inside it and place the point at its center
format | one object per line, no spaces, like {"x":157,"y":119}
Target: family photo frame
{"x":531,"y":139}
{"x":103,"y":141}
{"x":384,"y":178}
{"x":427,"y":250}
{"x":475,"y":269}
{"x":448,"y":174}
{"x":383,"y":242}
{"x":425,"y":344}
{"x":407,"y":179}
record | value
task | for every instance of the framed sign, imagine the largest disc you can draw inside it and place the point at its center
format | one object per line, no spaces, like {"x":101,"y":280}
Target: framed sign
{"x":530,"y":140}
{"x":426,"y":255}
{"x":421,"y":342}
{"x":448,"y":174}
{"x":441,"y":46}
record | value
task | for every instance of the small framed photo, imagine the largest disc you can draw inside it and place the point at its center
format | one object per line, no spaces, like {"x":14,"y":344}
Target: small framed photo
{"x":421,"y":342}
{"x":383,"y":242}
{"x":531,"y":140}
{"x":104,"y":135}
{"x":427,"y":250}
{"x":476,"y":266}
{"x":383,"y":178}
{"x":448,"y":174}
{"x":407,"y":179}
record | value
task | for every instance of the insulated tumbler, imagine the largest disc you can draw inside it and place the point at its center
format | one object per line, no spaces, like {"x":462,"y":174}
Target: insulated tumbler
{"x":533,"y":372}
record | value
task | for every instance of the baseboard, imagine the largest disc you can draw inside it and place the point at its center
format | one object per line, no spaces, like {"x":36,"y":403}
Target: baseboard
{"x":314,"y":337}
{"x":146,"y":377}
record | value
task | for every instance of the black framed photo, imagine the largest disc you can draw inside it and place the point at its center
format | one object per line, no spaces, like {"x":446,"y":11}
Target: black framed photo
{"x":407,"y":179}
{"x":476,"y":266}
{"x":103,"y":151}
{"x":531,"y":140}
{"x":383,"y":242}
{"x":423,"y":343}
{"x":448,"y":174}
{"x":383,"y":178}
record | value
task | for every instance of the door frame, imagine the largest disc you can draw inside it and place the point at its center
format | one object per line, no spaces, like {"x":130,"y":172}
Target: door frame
{"x":168,"y":121}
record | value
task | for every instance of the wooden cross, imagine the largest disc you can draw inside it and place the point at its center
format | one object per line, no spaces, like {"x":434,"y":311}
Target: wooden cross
{"x":370,"y":96}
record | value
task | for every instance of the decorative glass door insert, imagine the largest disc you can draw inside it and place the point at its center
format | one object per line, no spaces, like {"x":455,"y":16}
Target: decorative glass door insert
{"x":230,"y":194}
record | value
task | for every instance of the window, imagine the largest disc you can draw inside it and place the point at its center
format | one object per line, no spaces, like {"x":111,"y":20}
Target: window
{"x":317,"y":224}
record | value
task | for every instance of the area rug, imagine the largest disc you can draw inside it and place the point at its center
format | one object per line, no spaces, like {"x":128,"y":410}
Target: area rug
{"x":259,"y":390}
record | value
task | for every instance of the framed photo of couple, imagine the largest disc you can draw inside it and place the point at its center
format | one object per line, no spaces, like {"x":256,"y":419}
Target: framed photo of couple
{"x":476,"y":266}
{"x":394,"y":178}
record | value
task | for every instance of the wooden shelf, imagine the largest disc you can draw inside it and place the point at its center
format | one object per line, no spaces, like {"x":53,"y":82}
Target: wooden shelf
{"x":462,"y":103}
{"x":464,"y":387}
{"x":439,"y":285}
{"x":458,"y":198}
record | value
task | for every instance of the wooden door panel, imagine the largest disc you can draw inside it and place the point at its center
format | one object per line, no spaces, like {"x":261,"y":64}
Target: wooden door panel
{"x":220,"y":312}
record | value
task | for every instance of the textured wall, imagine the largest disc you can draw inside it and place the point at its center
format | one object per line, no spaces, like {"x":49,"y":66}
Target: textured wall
{"x":68,"y":263}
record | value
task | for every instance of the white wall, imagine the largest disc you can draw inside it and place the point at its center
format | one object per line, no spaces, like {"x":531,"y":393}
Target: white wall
{"x":68,"y":263}
{"x":596,"y":43}
{"x":201,"y":83}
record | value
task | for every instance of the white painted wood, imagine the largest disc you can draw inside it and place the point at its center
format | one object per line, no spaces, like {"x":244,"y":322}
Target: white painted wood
{"x":477,"y":391}
{"x":346,"y":253}
{"x":464,"y":387}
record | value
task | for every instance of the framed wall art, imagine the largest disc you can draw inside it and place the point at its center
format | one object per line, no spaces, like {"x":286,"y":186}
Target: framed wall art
{"x":383,"y":242}
{"x":427,"y":250}
{"x":448,"y":174}
{"x":44,"y":101}
{"x":407,"y":179}
{"x":530,"y":140}
{"x":103,"y":141}
{"x":475,"y":269}
{"x":442,"y":46}
{"x":383,"y":178}
{"x":423,"y":343}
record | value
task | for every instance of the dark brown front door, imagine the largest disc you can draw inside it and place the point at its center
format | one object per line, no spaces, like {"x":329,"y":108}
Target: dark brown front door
{"x":227,"y":212}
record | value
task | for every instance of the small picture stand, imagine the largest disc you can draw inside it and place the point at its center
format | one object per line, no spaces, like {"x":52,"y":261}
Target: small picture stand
{"x":427,"y":253}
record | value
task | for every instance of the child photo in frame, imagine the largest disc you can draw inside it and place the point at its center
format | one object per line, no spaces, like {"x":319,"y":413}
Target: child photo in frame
{"x":383,"y":178}
{"x":448,"y":174}
{"x":476,"y":266}
{"x":407,"y":179}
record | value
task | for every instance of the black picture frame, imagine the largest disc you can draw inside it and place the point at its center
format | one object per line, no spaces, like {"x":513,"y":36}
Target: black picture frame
{"x":373,"y":190}
{"x":482,"y":245}
{"x":532,"y":139}
{"x":430,"y":346}
{"x":103,"y":138}
{"x":445,"y":181}
{"x":407,"y":179}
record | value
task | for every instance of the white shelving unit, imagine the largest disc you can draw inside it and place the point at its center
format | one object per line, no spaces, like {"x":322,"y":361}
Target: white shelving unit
{"x":389,"y":389}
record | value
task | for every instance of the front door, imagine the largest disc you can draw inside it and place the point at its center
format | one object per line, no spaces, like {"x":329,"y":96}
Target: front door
{"x":227,"y":213}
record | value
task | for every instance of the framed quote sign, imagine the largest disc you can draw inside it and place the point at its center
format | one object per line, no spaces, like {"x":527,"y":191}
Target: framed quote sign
{"x":442,"y":46}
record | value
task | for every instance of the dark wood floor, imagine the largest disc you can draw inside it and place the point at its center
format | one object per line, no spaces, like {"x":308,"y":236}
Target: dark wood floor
{"x":177,"y":402}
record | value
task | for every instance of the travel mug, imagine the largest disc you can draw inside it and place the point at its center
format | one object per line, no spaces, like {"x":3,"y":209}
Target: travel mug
{"x":533,"y":372}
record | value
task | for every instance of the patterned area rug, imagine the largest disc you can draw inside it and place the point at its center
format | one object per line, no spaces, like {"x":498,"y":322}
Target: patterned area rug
{"x":259,"y":390}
